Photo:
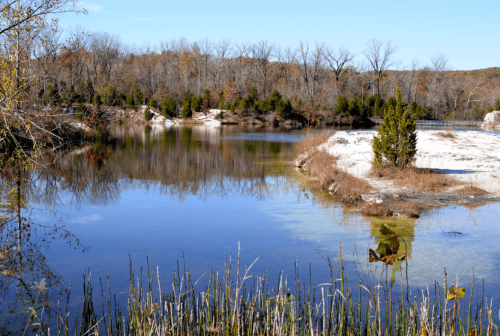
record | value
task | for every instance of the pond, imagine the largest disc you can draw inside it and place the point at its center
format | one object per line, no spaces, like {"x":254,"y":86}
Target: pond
{"x":194,"y":195}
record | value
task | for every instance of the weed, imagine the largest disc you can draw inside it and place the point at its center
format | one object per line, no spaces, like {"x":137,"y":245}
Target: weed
{"x":310,"y":141}
{"x":342,"y":185}
{"x":225,"y":305}
{"x":446,"y":135}
{"x":471,"y":191}
{"x":423,"y":179}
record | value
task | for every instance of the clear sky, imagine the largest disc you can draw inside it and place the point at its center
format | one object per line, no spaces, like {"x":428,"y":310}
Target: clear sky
{"x":467,"y":32}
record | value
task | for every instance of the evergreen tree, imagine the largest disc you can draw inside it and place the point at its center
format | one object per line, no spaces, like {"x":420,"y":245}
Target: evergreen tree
{"x":397,"y":141}
{"x":152,"y":103}
{"x":284,"y":108}
{"x":342,"y":104}
{"x":89,"y":91}
{"x":129,"y":100}
{"x":186,"y":107}
{"x":352,"y":107}
{"x":147,"y":113}
{"x":197,"y":103}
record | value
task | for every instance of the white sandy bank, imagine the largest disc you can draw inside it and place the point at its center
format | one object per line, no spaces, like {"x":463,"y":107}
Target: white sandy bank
{"x":472,"y":157}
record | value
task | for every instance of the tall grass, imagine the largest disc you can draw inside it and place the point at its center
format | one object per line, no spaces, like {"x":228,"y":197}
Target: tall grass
{"x":229,"y":305}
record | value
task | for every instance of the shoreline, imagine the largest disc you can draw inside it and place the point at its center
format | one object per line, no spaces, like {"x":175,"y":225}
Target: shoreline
{"x":466,"y":159}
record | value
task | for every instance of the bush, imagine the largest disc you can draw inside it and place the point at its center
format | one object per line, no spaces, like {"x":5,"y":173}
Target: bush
{"x":168,"y":106}
{"x":397,"y":141}
{"x":342,"y":104}
{"x":284,"y":108}
{"x":98,"y":123}
{"x":197,"y":103}
{"x":80,"y":110}
{"x":152,"y":103}
{"x":110,"y":96}
{"x":352,"y":107}
{"x":97,"y":99}
{"x":147,"y":113}
{"x":186,"y":107}
{"x":129,"y":101}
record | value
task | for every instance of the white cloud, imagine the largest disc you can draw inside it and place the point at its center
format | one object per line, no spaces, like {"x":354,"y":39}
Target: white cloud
{"x":146,"y":19}
{"x":89,"y":6}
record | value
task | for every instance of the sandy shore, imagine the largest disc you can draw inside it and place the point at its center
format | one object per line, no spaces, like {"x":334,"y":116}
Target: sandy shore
{"x":472,"y":158}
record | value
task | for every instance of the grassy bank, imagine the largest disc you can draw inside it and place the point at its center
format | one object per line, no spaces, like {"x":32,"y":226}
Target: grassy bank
{"x":236,"y":303}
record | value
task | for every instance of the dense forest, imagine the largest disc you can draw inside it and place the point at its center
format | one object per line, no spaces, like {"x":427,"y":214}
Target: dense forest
{"x":81,"y":67}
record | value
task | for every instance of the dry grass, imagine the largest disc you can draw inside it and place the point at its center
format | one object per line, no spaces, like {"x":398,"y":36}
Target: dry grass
{"x":492,"y":124}
{"x":323,"y":168}
{"x":411,"y":209}
{"x":446,"y":135}
{"x":375,"y":210}
{"x":413,"y":177}
{"x":471,"y":191}
{"x":310,"y":141}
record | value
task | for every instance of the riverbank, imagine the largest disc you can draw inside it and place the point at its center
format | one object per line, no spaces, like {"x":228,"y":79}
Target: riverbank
{"x":217,"y":117}
{"x":469,"y":161}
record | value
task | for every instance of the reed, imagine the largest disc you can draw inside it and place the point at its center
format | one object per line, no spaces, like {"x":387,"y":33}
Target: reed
{"x":228,"y":305}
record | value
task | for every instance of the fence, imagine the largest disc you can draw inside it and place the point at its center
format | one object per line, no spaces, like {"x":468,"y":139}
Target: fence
{"x":440,"y":123}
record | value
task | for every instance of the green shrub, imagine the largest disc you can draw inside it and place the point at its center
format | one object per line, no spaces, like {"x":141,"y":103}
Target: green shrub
{"x":97,"y":99}
{"x":129,"y":101}
{"x":397,"y":141}
{"x":186,"y":107}
{"x":80,"y":110}
{"x":110,"y":96}
{"x":284,"y":108}
{"x":147,"y":113}
{"x":152,"y":103}
{"x":342,"y":104}
{"x":168,"y":106}
{"x":197,"y":103}
{"x":352,"y":107}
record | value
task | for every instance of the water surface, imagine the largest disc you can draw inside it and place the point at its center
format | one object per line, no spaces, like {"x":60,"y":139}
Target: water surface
{"x":168,"y":194}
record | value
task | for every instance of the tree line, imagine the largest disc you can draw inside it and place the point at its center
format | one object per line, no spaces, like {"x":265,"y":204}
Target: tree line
{"x":98,"y":68}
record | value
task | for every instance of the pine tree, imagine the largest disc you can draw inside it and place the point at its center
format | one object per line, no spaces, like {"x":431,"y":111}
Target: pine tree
{"x":397,"y":141}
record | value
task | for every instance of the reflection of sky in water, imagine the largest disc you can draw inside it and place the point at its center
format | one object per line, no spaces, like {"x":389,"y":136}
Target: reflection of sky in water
{"x":278,"y":230}
{"x":434,"y":247}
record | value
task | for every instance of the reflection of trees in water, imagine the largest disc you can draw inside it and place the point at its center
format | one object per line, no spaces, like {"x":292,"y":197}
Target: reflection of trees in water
{"x":177,"y":162}
{"x":24,"y":273}
{"x":394,"y":238}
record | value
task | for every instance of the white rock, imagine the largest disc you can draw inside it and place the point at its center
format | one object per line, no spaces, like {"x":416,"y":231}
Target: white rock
{"x":492,"y":117}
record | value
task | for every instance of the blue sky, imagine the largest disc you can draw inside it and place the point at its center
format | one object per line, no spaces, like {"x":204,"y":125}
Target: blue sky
{"x":465,"y":31}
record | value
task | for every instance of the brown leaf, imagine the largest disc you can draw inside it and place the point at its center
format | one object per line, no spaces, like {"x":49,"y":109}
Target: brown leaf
{"x":373,"y":256}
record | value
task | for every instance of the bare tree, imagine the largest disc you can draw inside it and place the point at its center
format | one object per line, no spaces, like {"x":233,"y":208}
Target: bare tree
{"x":104,"y":50}
{"x":439,"y":66}
{"x":472,"y":89}
{"x":303,"y":59}
{"x":379,"y":56}
{"x":262,"y":53}
{"x":411,"y":77}
{"x":222,"y":53}
{"x":337,"y":61}
{"x":242,"y":53}
{"x":319,"y":72}
{"x":286,"y":59}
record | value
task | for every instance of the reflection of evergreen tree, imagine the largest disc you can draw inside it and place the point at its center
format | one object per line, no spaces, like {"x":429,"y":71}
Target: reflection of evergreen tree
{"x":393,"y":238}
{"x":275,"y":148}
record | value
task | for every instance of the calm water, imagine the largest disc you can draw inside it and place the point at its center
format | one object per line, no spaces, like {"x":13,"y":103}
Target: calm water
{"x":164,"y":194}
